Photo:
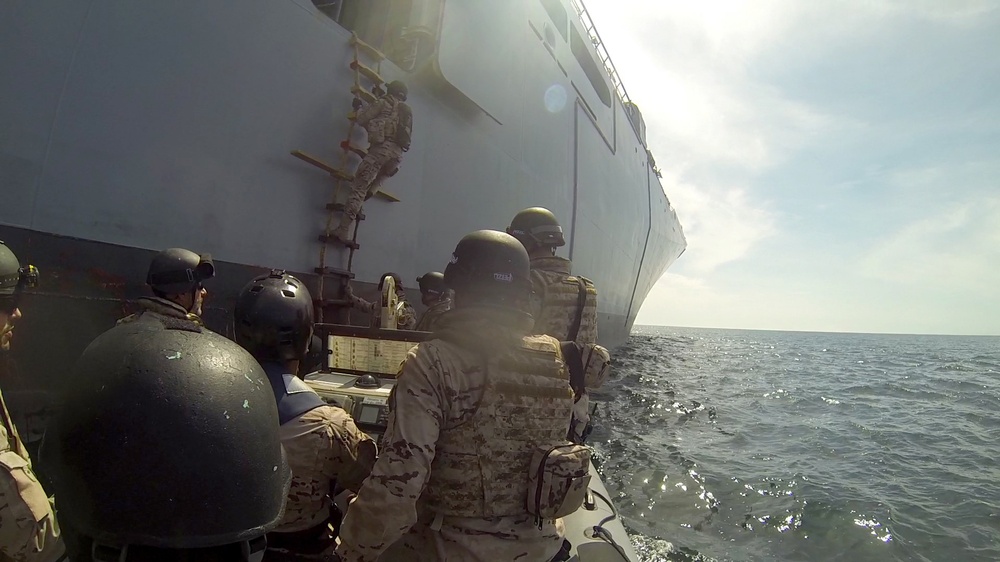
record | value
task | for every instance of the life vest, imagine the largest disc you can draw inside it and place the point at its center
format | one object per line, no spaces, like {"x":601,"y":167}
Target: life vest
{"x":480,"y":467}
{"x":293,"y":396}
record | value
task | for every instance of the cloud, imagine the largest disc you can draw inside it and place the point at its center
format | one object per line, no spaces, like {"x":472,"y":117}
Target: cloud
{"x":959,"y":12}
{"x":680,"y":300}
{"x":722,"y":225}
{"x":745,"y":100}
{"x":686,"y":68}
{"x":955,"y":248}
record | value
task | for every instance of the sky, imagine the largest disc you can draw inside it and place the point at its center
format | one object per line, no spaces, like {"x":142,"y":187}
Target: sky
{"x":835,"y":165}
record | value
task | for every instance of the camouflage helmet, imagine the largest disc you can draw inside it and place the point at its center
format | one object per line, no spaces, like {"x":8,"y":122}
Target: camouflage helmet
{"x":167,"y":438}
{"x":177,"y":271}
{"x":490,"y":267}
{"x":273,"y":318}
{"x":397,"y":89}
{"x":13,"y":278}
{"x":536,"y":226}
{"x":432,"y":283}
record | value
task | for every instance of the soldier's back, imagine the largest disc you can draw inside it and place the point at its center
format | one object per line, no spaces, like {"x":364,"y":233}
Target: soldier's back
{"x":322,"y":445}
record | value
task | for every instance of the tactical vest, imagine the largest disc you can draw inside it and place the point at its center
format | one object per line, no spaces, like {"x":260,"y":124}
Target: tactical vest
{"x":432,"y":315}
{"x":293,"y":396}
{"x":15,"y":461}
{"x":10,"y":441}
{"x":560,"y":306}
{"x":480,"y":467}
{"x":383,"y":126}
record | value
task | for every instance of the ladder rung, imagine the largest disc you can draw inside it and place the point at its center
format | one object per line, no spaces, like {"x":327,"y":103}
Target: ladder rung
{"x":364,"y":94}
{"x":368,"y":72}
{"x":387,"y":196}
{"x":333,"y":272}
{"x":334,"y":240}
{"x":340,"y":207}
{"x":357,"y":42}
{"x":333,"y":303}
{"x":339,"y":174}
{"x":347,"y":146}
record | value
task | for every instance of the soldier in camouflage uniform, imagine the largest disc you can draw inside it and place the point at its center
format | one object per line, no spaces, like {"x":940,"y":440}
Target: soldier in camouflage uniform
{"x":166,"y":448}
{"x":273,"y":320}
{"x":556,"y":293}
{"x":389,"y":122}
{"x":175,"y":277}
{"x":444,"y":485}
{"x":436,"y":296}
{"x":407,"y":317}
{"x":28,"y":528}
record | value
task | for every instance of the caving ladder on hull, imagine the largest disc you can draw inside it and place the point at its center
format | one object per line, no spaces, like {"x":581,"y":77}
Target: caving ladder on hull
{"x":331,"y":297}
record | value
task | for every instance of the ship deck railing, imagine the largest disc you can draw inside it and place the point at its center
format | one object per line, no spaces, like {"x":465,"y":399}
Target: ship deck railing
{"x":602,"y":53}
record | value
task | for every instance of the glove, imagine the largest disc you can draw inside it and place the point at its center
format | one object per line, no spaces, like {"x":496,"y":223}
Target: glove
{"x":343,"y":500}
{"x":356,"y":103}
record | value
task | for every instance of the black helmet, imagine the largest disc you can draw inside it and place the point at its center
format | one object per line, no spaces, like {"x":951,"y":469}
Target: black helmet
{"x":176,"y":271}
{"x":273,"y":318}
{"x":432,"y":283}
{"x":167,"y":439}
{"x":13,"y":278}
{"x":397,"y":89}
{"x":536,"y":226}
{"x":490,"y":267}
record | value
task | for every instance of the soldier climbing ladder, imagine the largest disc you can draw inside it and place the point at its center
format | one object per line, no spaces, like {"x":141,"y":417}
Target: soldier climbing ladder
{"x":338,"y":202}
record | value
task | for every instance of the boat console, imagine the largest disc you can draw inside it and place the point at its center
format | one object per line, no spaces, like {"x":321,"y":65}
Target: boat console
{"x":359,"y":369}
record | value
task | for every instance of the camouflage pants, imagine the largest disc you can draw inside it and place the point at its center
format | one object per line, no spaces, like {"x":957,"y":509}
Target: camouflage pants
{"x":382,"y":161}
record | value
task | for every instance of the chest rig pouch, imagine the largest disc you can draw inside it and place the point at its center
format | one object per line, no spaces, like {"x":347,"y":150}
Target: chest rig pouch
{"x":558,"y":478}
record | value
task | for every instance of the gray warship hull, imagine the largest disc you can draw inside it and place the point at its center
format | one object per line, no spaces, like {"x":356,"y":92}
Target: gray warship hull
{"x":128,"y":127}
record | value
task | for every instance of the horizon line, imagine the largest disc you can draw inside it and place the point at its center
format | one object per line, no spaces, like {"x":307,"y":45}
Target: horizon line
{"x":815,"y":331}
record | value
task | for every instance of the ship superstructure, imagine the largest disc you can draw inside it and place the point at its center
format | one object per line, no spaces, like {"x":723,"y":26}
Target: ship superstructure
{"x":129,"y":127}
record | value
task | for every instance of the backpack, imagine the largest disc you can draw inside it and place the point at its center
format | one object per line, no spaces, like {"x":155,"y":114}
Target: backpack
{"x":404,"y":126}
{"x":589,"y":364}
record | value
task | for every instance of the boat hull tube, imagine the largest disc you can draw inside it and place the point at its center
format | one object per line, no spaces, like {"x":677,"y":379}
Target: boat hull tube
{"x":129,"y":127}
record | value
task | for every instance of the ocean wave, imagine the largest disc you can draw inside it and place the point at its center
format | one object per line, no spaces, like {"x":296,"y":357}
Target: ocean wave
{"x":786,"y":446}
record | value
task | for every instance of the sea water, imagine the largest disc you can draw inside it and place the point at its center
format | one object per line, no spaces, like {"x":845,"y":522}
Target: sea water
{"x":762,"y":445}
